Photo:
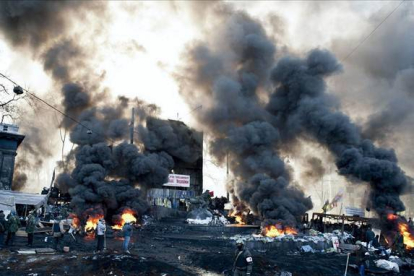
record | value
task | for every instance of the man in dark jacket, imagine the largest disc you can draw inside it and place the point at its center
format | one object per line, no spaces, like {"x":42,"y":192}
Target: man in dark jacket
{"x":13,"y":225}
{"x":30,"y":228}
{"x":361,"y":258}
{"x":369,"y":236}
{"x":3,"y":226}
{"x":243,"y":261}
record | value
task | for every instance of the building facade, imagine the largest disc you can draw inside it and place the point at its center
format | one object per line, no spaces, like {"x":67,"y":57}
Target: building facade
{"x":10,"y":139}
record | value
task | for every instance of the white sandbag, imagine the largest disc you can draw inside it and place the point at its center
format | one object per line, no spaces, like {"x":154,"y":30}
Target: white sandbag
{"x":390,"y":266}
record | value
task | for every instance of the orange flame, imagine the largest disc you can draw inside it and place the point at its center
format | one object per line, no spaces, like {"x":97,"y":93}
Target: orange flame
{"x":237,"y":216}
{"x":127,"y":216}
{"x":92,"y":223}
{"x":273,"y":231}
{"x":408,"y":237}
{"x":404,"y":230}
{"x":392,"y":217}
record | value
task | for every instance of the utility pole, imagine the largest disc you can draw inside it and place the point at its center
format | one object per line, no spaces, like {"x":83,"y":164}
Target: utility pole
{"x":131,"y":133}
{"x":227,"y":168}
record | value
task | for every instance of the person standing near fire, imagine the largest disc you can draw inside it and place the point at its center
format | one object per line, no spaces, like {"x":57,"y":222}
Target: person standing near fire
{"x":30,"y":228}
{"x":243,"y":261}
{"x":58,"y":231}
{"x":127,"y":232}
{"x":100,"y":233}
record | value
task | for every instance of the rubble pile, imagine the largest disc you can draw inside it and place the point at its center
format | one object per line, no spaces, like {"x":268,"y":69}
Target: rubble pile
{"x":314,"y":237}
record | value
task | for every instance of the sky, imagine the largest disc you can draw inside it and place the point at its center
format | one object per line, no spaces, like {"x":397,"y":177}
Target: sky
{"x":139,"y":48}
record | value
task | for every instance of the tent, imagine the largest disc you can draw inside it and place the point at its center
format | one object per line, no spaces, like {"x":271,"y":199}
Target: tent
{"x":9,"y":200}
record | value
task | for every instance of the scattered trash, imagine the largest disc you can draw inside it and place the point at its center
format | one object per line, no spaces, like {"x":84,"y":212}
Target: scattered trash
{"x":307,"y":249}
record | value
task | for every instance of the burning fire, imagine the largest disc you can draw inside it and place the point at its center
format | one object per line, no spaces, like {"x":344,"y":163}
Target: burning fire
{"x":127,"y":216}
{"x":392,"y":217}
{"x":405,"y":232}
{"x":92,"y":223}
{"x":237,"y":216}
{"x":404,"y":229}
{"x":273,"y":231}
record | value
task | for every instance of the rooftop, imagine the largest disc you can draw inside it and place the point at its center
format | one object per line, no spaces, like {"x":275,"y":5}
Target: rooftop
{"x":9,"y":128}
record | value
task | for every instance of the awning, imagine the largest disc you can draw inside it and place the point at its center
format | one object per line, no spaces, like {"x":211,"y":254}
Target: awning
{"x":8,"y":199}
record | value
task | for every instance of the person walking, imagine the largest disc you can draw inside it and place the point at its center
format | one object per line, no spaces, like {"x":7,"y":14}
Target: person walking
{"x":243,"y":261}
{"x":30,"y":228}
{"x":100,"y":234}
{"x":360,"y":258}
{"x":3,"y":226}
{"x":13,"y":225}
{"x":127,"y":232}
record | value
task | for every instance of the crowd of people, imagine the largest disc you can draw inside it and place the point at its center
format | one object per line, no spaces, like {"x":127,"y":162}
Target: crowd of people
{"x":61,"y":226}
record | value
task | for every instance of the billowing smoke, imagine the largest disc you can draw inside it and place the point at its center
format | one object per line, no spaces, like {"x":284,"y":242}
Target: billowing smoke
{"x":32,"y":24}
{"x":110,"y":175}
{"x":45,"y":30}
{"x":228,"y":75}
{"x":314,"y":169}
{"x":302,"y":108}
{"x":19,"y":177}
{"x":173,"y":137}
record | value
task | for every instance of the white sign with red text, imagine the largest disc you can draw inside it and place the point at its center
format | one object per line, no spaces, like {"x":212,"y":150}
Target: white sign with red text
{"x":178,"y":180}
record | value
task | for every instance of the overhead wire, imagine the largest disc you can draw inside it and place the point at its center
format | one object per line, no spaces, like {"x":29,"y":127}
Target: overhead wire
{"x":51,"y":106}
{"x":371,"y":33}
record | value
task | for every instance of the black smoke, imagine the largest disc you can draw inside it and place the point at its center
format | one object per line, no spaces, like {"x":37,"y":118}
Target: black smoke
{"x":228,"y":75}
{"x":45,"y":30}
{"x":34,"y":23}
{"x":173,"y":137}
{"x":254,"y":109}
{"x":108,"y":174}
{"x":301,"y":107}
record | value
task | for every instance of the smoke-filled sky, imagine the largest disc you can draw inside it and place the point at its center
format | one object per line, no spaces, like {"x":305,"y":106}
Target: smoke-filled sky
{"x":139,"y":49}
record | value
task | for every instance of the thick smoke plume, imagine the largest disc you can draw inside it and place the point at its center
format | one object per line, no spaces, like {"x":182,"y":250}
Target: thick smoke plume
{"x":302,"y":108}
{"x":109,"y":175}
{"x":173,"y":137}
{"x":227,"y":76}
{"x":45,"y":30}
{"x":33,"y":23}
